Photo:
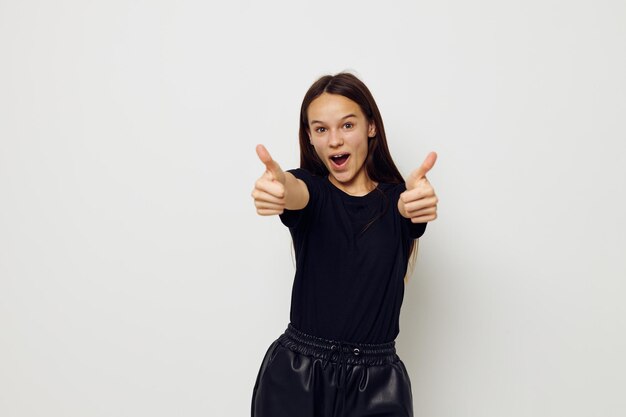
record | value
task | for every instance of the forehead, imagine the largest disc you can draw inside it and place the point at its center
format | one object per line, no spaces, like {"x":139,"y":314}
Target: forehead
{"x":332,"y":107}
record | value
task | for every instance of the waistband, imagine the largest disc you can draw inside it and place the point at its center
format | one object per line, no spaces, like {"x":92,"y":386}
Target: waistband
{"x":338,"y":351}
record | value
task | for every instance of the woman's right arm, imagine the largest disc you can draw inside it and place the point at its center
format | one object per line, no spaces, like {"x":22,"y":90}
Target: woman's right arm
{"x":277,"y":190}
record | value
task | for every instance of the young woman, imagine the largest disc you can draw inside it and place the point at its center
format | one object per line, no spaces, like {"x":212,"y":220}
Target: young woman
{"x":354,"y":221}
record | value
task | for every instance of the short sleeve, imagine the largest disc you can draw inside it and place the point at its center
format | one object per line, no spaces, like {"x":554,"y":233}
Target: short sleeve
{"x":416,"y":230}
{"x":291,"y":218}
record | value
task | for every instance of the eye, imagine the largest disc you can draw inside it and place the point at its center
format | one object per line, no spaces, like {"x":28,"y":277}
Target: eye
{"x":348,"y":125}
{"x":320,"y":129}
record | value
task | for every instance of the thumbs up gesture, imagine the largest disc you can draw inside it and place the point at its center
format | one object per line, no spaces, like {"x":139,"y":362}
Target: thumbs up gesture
{"x":269,"y":190}
{"x":419,"y":202}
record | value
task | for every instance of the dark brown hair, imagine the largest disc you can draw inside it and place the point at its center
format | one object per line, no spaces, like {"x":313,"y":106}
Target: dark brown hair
{"x":379,"y":165}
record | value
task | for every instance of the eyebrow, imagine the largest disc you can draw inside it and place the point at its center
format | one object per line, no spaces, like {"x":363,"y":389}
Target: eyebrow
{"x":343,"y":118}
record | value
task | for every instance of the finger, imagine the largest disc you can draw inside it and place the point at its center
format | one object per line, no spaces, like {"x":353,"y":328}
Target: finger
{"x":274,"y":188}
{"x":420,"y":204}
{"x":423,"y":212}
{"x":424,"y":219}
{"x":260,"y":195}
{"x":426,"y":166}
{"x":416,"y":193}
{"x":264,"y":212}
{"x":271,"y":165}
{"x":268,"y":206}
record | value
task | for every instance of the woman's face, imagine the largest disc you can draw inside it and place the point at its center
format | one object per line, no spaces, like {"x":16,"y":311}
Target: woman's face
{"x":339,"y":132}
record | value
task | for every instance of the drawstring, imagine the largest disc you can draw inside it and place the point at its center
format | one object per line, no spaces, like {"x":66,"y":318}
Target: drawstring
{"x":339,"y":353}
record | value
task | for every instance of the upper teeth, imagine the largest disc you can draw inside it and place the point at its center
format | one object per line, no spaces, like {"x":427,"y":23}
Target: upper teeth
{"x":338,"y":156}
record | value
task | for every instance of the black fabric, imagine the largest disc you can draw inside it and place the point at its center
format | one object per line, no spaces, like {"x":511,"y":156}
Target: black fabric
{"x":351,"y":259}
{"x":306,"y":376}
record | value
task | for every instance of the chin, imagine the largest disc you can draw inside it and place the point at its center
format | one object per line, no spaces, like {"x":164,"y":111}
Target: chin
{"x":343,"y":177}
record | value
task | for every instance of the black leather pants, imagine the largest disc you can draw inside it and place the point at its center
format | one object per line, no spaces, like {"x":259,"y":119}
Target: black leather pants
{"x":306,"y":376}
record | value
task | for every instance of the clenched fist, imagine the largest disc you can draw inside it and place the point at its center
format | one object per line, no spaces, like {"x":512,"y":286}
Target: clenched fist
{"x":419,"y":202}
{"x":269,"y":190}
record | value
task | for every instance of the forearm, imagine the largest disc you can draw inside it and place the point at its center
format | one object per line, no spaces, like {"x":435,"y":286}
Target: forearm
{"x":296,"y":193}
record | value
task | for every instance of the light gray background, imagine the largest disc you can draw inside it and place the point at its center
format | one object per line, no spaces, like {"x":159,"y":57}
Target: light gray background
{"x":137,"y":280}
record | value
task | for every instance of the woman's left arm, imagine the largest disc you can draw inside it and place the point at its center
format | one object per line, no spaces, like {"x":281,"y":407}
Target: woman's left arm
{"x":419,"y":201}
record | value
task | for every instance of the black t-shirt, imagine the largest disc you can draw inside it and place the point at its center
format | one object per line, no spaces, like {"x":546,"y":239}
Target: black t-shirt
{"x":351,"y":259}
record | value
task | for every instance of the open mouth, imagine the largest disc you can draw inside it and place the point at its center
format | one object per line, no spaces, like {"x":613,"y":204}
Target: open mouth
{"x":340,"y":159}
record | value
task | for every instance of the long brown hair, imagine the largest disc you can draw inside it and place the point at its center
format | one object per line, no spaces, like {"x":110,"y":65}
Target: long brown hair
{"x":378,"y":164}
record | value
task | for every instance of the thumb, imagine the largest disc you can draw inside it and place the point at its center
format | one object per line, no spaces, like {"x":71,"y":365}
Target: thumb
{"x":426,"y":166}
{"x":271,"y":165}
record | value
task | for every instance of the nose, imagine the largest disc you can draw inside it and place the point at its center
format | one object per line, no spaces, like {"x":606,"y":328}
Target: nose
{"x":335,"y":139}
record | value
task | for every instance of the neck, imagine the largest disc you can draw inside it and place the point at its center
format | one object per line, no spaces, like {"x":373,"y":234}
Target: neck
{"x":357,"y":188}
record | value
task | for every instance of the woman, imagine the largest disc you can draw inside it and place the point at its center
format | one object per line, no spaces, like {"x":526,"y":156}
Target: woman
{"x":354,"y":222}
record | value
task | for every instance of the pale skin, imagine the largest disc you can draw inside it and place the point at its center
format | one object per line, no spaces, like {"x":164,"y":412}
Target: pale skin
{"x":338,"y":126}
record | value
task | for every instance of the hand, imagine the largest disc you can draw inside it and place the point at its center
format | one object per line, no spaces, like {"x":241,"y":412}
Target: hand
{"x":269,"y":190}
{"x":419,"y":202}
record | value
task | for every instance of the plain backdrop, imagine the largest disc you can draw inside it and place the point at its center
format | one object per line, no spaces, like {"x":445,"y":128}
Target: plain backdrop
{"x":137,"y":280}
